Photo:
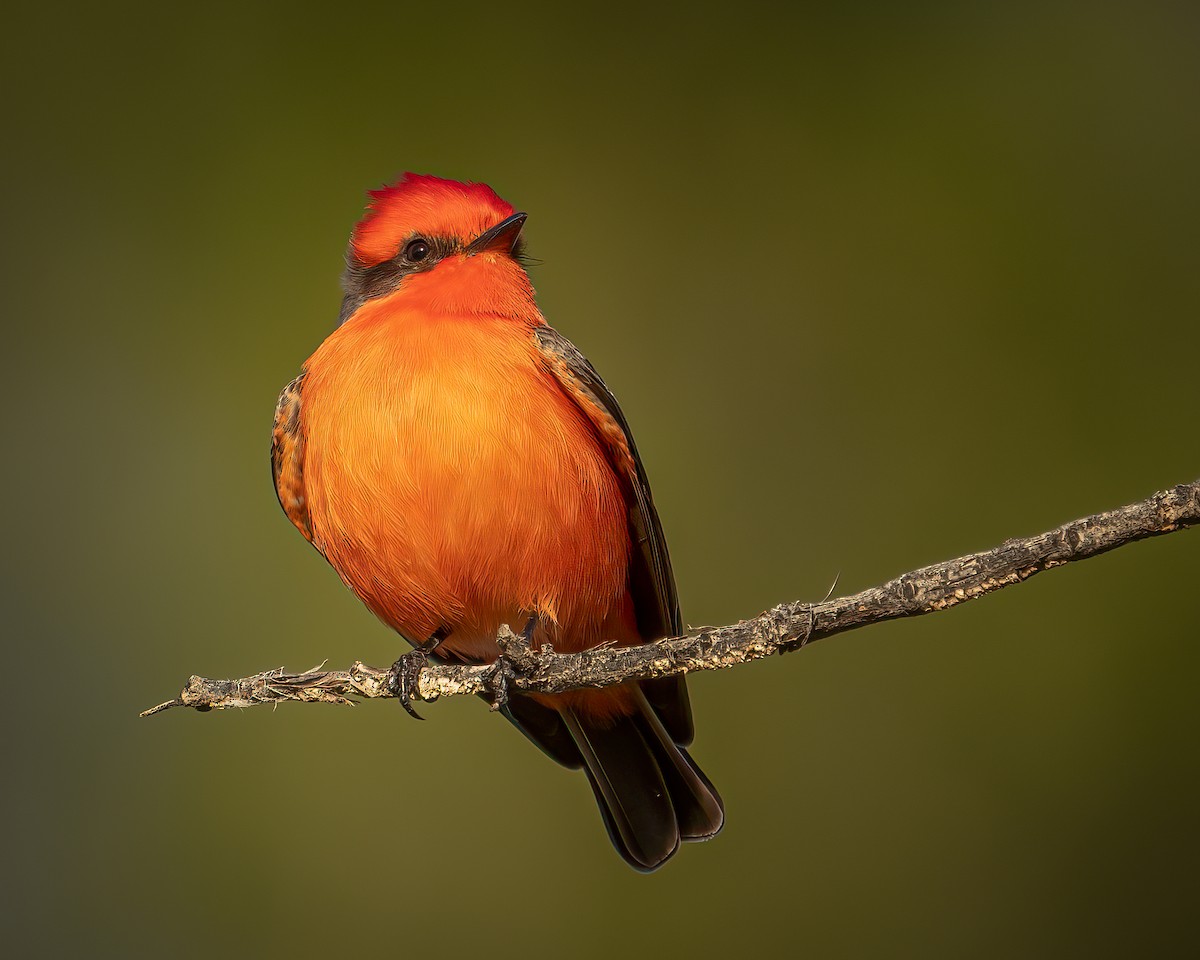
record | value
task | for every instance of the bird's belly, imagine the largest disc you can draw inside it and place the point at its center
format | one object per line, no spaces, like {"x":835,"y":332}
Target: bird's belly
{"x":461,"y":489}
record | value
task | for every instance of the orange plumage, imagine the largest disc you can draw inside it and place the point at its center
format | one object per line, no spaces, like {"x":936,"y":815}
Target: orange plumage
{"x":461,"y":466}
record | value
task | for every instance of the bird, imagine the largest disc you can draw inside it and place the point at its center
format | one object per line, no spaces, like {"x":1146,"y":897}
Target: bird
{"x":461,"y":465}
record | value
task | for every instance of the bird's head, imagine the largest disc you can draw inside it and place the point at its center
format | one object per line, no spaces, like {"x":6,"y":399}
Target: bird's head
{"x":442,"y":245}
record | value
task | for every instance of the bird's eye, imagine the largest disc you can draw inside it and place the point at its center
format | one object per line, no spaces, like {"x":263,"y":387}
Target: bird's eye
{"x":416,"y":251}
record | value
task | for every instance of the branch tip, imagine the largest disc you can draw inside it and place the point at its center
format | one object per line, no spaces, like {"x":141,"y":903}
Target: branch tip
{"x":161,"y":707}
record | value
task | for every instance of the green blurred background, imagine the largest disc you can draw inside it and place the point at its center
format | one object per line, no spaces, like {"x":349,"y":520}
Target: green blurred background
{"x":876,"y":285}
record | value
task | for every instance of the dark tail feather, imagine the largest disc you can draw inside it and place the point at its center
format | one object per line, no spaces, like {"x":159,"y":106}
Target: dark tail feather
{"x":698,"y":807}
{"x":650,"y":792}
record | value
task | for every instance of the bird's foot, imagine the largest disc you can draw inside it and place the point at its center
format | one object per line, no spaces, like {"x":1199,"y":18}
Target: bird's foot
{"x":497,"y":678}
{"x":405,"y":672}
{"x":514,"y":651}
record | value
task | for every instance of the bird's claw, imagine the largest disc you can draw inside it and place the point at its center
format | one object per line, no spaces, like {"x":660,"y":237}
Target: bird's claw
{"x":403,"y":676}
{"x":504,"y":667}
{"x":497,"y":679}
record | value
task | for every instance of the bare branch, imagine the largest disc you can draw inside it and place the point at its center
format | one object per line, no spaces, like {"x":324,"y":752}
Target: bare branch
{"x":780,"y":630}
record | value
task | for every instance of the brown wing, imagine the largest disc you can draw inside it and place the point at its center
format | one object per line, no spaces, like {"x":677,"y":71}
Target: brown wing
{"x":287,"y":457}
{"x":651,"y":581}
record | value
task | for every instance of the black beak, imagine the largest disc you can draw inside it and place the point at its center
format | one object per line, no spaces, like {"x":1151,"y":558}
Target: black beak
{"x":503,"y":236}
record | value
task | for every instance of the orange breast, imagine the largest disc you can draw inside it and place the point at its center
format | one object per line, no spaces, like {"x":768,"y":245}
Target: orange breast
{"x":451,"y":483}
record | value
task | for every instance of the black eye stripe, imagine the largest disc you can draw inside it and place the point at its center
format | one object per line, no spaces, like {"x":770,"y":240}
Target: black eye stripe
{"x":362,"y":283}
{"x":425,"y":251}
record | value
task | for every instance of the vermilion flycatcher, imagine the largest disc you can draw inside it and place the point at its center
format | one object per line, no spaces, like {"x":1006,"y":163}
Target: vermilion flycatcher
{"x":462,"y":465}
